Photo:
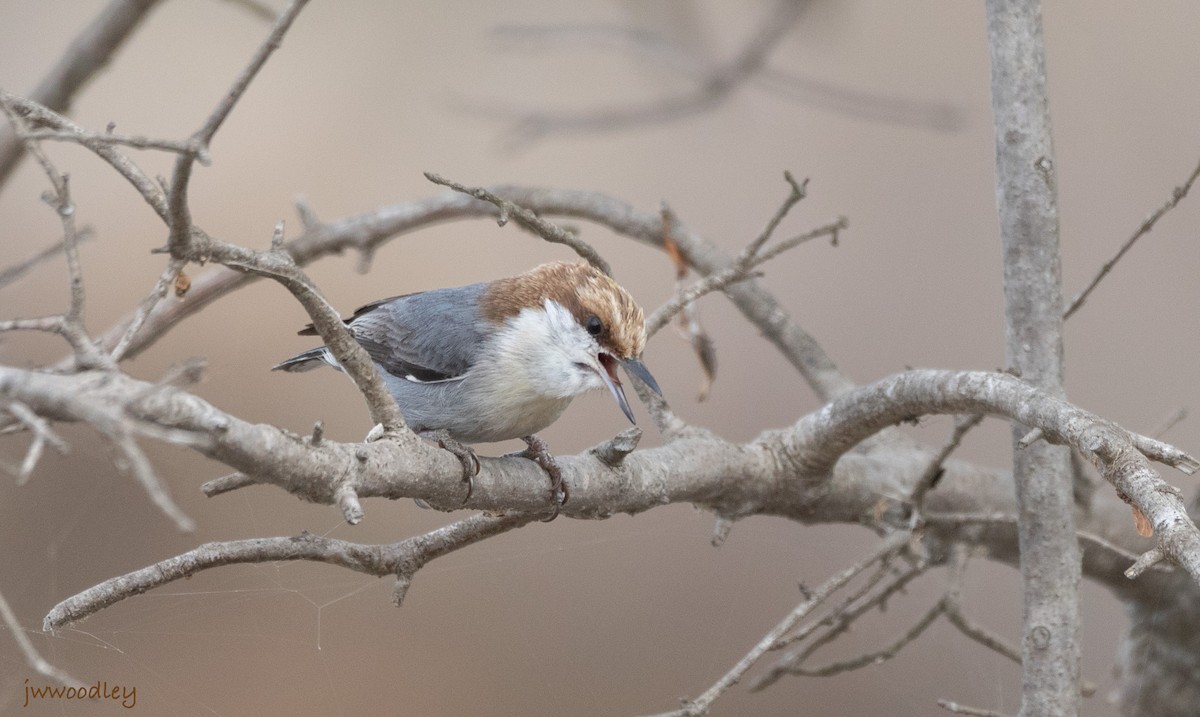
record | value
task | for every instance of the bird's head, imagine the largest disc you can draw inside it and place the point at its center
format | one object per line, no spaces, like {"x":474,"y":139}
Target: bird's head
{"x":567,"y":327}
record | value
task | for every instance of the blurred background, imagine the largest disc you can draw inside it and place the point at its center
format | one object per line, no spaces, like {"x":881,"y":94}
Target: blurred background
{"x":884,"y":106}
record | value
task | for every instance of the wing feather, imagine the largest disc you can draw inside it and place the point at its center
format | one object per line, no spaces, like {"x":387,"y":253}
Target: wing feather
{"x":425,"y":337}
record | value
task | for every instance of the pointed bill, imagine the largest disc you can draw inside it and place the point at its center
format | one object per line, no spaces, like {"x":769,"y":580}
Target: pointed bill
{"x":635,"y":367}
{"x":609,"y":376}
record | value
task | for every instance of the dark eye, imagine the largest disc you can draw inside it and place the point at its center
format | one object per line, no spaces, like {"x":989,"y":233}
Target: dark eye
{"x":593,"y":325}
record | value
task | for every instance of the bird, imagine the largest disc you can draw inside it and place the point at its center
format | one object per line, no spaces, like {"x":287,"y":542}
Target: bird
{"x":500,"y":359}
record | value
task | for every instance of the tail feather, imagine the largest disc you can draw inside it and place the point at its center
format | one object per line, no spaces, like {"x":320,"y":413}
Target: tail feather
{"x":306,"y":361}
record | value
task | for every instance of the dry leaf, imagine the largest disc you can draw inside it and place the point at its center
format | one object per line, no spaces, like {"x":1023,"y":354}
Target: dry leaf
{"x":183,"y":282}
{"x":1140,"y":522}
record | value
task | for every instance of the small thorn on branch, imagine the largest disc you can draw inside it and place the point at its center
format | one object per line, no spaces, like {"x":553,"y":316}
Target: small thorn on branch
{"x":347,"y":500}
{"x":277,"y":237}
{"x":612,"y":452}
{"x":1030,"y":438}
{"x":227,"y":483}
{"x":964,"y":710}
{"x":308,"y":218}
{"x":721,"y":529}
{"x":1149,"y":559}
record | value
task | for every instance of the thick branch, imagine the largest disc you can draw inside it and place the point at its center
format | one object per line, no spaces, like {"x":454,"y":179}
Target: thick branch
{"x":787,"y":472}
{"x":1027,"y":204}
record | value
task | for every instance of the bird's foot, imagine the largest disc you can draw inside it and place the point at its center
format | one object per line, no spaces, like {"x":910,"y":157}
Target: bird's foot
{"x":465,"y":455}
{"x":537,"y":451}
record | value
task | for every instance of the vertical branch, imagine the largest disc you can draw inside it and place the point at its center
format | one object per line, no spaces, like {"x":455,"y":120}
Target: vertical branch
{"x":1027,"y":206}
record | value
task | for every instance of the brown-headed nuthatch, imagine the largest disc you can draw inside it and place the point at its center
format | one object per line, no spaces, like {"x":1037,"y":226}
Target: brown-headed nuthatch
{"x":501,"y":359}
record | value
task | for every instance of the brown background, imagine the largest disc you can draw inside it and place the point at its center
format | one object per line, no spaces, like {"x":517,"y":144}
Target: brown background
{"x":627,"y":615}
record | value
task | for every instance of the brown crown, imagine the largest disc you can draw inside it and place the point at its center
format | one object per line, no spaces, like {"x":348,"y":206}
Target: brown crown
{"x":581,"y":289}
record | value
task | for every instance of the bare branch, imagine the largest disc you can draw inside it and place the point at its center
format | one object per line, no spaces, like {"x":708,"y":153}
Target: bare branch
{"x":701,"y":704}
{"x":42,"y":434}
{"x":32,"y":657}
{"x":528,"y":220}
{"x":402,"y":559}
{"x":367,"y":231}
{"x":164,"y":283}
{"x":952,"y":606}
{"x":35,"y":113}
{"x":179,"y":215}
{"x":88,"y":53}
{"x":136,"y":141}
{"x":135,"y":461}
{"x":71,"y":326}
{"x":964,"y":710}
{"x":1147,"y":224}
{"x":1149,"y":559}
{"x":713,"y":88}
{"x":878,"y":656}
{"x":837,"y":622}
{"x":962,"y":425}
{"x":740,"y":270}
{"x":1027,"y":206}
{"x":12,"y":273}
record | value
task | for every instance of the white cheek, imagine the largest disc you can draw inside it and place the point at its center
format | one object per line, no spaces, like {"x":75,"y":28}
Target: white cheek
{"x":544,"y":350}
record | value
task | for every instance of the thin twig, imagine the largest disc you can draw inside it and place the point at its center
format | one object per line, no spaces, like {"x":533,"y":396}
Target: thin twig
{"x":711,"y":89}
{"x":798,"y":192}
{"x":88,"y":139}
{"x":964,"y":710}
{"x":42,"y":434}
{"x":12,"y":273}
{"x":71,"y":328}
{"x":838,"y":622}
{"x":701,"y":704}
{"x":1147,"y":224}
{"x":32,"y":657}
{"x":136,"y":463}
{"x":35,"y":113}
{"x":401,"y":559}
{"x":849,"y":601}
{"x":178,"y":211}
{"x":161,"y":287}
{"x":953,"y":607}
{"x":962,"y":425}
{"x":1170,"y":422}
{"x":740,"y":270}
{"x":548,"y":231}
{"x":873,"y":658}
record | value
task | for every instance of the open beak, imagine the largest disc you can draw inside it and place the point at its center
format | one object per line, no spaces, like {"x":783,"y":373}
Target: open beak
{"x":609,"y":375}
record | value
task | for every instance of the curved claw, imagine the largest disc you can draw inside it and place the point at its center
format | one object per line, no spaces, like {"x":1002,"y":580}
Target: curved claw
{"x":539,"y":453}
{"x":466,"y":456}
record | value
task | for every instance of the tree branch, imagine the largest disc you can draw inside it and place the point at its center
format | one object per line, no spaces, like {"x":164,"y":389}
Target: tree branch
{"x":701,"y":705}
{"x":1028,"y":210}
{"x":401,"y":559}
{"x":87,"y":55}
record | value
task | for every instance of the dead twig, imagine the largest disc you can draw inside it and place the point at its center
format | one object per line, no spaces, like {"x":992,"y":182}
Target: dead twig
{"x":1147,"y":224}
{"x":813,"y":599}
{"x":528,"y":220}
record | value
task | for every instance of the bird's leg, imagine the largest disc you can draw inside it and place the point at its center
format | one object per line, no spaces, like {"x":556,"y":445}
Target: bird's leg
{"x":537,"y":451}
{"x":464,"y":453}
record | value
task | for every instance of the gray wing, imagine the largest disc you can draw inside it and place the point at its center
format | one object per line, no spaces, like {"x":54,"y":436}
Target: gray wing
{"x":427,"y":336}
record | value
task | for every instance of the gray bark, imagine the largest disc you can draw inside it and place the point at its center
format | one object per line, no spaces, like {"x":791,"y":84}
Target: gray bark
{"x":1027,"y":205}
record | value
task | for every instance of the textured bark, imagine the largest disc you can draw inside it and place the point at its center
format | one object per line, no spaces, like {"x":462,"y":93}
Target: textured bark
{"x":1026,"y":201}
